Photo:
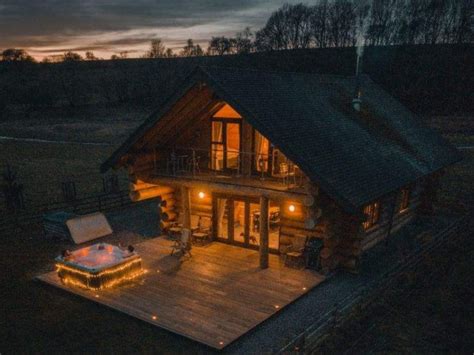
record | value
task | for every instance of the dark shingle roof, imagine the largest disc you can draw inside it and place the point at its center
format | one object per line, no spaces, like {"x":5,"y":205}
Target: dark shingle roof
{"x":355,"y":158}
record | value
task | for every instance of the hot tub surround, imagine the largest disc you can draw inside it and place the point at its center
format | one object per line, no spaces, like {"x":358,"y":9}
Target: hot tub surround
{"x":98,"y":266}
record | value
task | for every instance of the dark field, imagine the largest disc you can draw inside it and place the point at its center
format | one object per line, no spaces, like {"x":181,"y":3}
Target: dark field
{"x":429,"y":310}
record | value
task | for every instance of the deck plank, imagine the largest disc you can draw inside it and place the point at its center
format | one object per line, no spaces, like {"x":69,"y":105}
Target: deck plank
{"x":214,"y":297}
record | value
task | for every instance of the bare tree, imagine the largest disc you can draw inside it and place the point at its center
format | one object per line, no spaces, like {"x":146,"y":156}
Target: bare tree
{"x":191,"y":50}
{"x":464,"y":31}
{"x":221,"y":45}
{"x":157,"y":49}
{"x":72,"y":57}
{"x":91,"y":56}
{"x":342,"y":22}
{"x":288,"y":27}
{"x":244,"y":41}
{"x":16,"y":55}
{"x":319,"y":24}
{"x":382,"y":23}
{"x":169,"y":53}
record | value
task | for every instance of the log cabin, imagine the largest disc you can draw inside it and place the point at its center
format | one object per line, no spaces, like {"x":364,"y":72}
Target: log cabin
{"x":269,"y":159}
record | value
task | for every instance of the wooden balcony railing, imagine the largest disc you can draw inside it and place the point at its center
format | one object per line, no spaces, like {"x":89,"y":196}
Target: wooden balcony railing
{"x":194,"y":162}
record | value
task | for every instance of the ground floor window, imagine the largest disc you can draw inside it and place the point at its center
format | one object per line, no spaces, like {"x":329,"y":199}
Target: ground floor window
{"x":372,"y":213}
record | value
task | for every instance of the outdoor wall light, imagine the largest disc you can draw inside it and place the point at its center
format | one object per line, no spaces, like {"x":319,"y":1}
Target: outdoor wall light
{"x":291,"y":208}
{"x":201,"y":194}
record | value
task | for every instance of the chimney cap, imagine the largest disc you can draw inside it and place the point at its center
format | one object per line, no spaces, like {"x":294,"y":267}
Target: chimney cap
{"x":356,"y":104}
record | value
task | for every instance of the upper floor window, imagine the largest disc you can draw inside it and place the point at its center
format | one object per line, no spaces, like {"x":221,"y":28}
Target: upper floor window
{"x":269,"y":159}
{"x":225,"y":144}
{"x":372,"y":213}
{"x":227,"y":112}
{"x":404,"y":199}
{"x":262,"y":152}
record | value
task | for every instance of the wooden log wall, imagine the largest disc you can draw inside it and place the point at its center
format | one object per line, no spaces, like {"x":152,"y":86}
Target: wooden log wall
{"x":199,"y":206}
{"x":167,"y":209}
{"x":295,"y":222}
{"x":381,"y":230}
{"x":428,"y":195}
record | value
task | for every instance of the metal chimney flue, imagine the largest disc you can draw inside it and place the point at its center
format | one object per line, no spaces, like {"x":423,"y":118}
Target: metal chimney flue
{"x":357,"y":100}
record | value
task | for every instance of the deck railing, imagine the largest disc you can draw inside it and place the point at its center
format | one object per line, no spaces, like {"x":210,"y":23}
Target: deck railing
{"x":202,"y":163}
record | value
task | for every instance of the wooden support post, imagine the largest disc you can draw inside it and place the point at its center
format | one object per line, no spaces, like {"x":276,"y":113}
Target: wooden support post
{"x":247,"y":224}
{"x":263,"y":232}
{"x":214,"y":218}
{"x":186,"y":211}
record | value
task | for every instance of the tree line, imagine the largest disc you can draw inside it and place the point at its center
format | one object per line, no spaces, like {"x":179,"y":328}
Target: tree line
{"x":327,"y":23}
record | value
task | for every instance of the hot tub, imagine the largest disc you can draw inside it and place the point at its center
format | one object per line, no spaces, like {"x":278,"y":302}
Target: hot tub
{"x":98,"y":266}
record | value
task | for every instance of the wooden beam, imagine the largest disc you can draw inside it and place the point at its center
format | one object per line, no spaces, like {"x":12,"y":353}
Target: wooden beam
{"x":186,"y":129}
{"x":247,"y":224}
{"x":184,"y":115}
{"x":185,"y":197}
{"x":230,"y":220}
{"x":263,"y":232}
{"x":247,"y":138}
{"x":151,"y":192}
{"x":228,"y":187}
{"x":214,"y":218}
{"x":176,"y":109}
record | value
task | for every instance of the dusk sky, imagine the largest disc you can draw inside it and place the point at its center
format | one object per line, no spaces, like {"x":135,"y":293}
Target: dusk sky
{"x":46,"y":27}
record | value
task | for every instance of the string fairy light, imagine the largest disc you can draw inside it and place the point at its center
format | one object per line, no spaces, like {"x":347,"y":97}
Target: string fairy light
{"x":103,"y":279}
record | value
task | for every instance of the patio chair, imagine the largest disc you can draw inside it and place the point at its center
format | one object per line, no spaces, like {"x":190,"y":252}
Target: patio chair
{"x":295,"y":257}
{"x":174,"y":231}
{"x":203,"y":231}
{"x":183,"y":245}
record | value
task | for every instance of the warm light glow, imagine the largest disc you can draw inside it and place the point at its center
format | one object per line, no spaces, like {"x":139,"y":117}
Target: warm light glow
{"x":277,"y":306}
{"x":153,"y":317}
{"x":111,"y":277}
{"x":221,"y":343}
{"x":227,"y":112}
{"x":201,"y":194}
{"x":96,"y":296}
{"x":291,"y":208}
{"x":304,"y":288}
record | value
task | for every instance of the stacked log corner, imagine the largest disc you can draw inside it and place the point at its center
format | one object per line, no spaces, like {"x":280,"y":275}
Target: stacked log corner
{"x":167,"y":211}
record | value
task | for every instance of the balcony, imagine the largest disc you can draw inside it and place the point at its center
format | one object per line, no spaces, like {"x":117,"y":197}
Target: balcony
{"x":231,"y":167}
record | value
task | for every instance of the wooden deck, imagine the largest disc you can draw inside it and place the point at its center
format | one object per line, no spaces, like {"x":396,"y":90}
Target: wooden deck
{"x":214,"y":297}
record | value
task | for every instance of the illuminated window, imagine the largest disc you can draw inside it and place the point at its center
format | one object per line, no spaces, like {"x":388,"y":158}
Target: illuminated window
{"x":225,"y":144}
{"x":372,"y":213}
{"x":261,"y":151}
{"x":404,"y":200}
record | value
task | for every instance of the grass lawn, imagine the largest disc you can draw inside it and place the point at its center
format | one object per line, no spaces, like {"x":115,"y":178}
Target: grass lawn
{"x":42,"y":167}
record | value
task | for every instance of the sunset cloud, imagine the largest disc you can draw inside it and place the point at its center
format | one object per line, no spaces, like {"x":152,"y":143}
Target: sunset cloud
{"x":53,"y":26}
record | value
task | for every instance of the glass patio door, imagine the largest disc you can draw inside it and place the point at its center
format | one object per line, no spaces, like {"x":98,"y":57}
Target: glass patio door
{"x":236,"y":220}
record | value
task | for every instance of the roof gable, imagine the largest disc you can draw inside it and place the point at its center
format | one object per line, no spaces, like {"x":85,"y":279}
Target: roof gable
{"x":355,"y":158}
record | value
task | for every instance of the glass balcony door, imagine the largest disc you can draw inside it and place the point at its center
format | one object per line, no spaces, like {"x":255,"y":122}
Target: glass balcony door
{"x":225,"y":144}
